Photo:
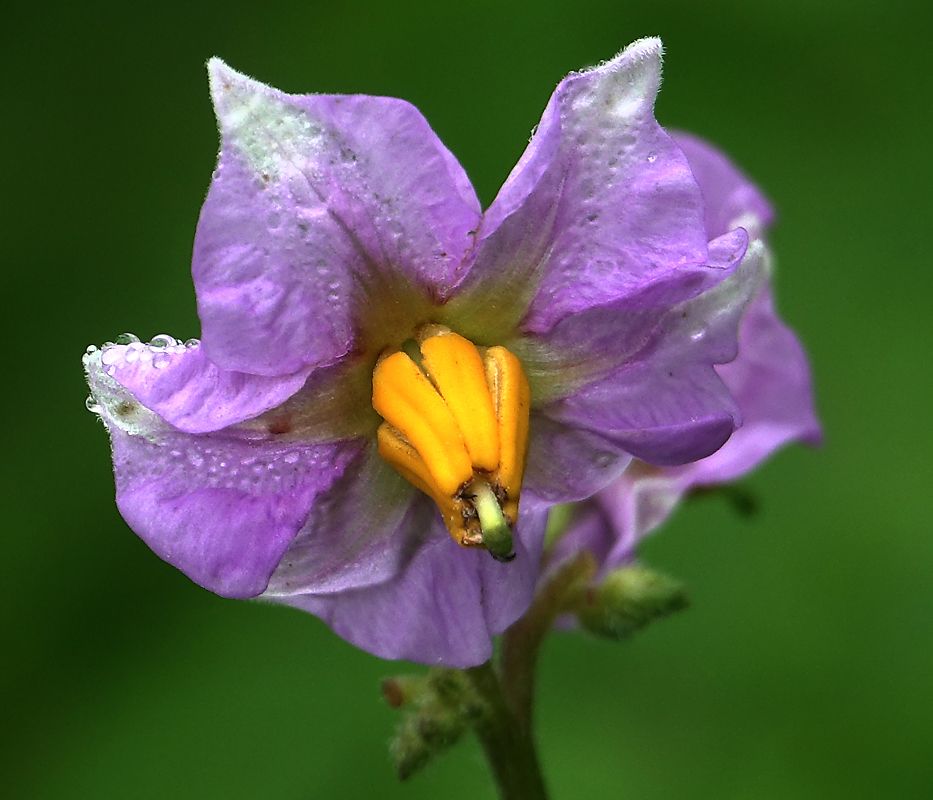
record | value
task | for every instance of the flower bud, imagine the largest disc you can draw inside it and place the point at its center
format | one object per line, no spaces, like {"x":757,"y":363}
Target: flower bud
{"x":628,"y":599}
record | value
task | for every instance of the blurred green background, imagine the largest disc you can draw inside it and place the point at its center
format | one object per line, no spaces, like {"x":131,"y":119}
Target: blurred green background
{"x":803,"y":669}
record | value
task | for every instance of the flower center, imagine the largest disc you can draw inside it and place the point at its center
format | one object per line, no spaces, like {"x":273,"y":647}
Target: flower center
{"x":456,"y":427}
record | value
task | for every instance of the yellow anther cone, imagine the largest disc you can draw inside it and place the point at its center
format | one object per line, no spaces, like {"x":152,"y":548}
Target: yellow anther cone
{"x":456,"y":427}
{"x":455,"y":366}
{"x":405,"y":398}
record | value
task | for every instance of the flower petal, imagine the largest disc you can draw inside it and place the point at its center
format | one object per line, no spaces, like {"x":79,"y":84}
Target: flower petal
{"x":314,"y":198}
{"x":222,"y":507}
{"x":357,"y":535}
{"x":611,"y":523}
{"x":187,"y":390}
{"x":731,"y":199}
{"x":567,"y":464}
{"x":770,"y":381}
{"x":600,"y":208}
{"x":447,"y":604}
{"x":665,"y":404}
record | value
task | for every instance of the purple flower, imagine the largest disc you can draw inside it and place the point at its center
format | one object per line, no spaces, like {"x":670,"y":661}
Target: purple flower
{"x":769,"y":379}
{"x":364,"y":320}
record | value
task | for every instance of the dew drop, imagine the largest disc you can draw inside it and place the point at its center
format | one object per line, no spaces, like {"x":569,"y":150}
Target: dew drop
{"x":91,"y":349}
{"x":291,"y":457}
{"x":161,"y":360}
{"x":192,"y":343}
{"x":127,"y":338}
{"x":652,"y":157}
{"x":603,"y":459}
{"x":111,"y":355}
{"x":91,"y":404}
{"x":163,"y":340}
{"x":132,"y":356}
{"x":145,"y":356}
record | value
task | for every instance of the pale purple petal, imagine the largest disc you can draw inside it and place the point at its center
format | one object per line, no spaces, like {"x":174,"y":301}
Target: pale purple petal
{"x":222,"y":507}
{"x":666,"y":404}
{"x":183,"y":387}
{"x":730,"y":198}
{"x":567,"y":463}
{"x":222,"y":511}
{"x":614,"y":520}
{"x":601,"y":209}
{"x":446,"y":606}
{"x":610,"y":335}
{"x":315,"y":199}
{"x":770,"y":381}
{"x":357,"y":535}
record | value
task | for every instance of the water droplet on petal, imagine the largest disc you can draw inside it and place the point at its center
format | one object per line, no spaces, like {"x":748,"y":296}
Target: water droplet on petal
{"x":161,"y":360}
{"x":291,"y":457}
{"x":163,"y":340}
{"x":127,"y":338}
{"x":111,"y":355}
{"x":91,"y":349}
{"x":192,"y":343}
{"x":652,"y":157}
{"x":603,"y":459}
{"x":92,"y":405}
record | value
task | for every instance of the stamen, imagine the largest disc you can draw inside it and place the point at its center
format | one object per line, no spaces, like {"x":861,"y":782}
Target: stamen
{"x":405,"y":398}
{"x":512,"y":396}
{"x":456,"y":427}
{"x":457,"y":370}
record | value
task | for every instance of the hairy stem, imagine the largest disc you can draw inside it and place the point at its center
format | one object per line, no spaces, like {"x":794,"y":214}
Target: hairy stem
{"x":521,"y":643}
{"x":509,"y":749}
{"x":505,"y":730}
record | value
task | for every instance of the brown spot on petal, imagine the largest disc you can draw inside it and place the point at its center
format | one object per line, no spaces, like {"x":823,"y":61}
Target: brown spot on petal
{"x":280,"y":425}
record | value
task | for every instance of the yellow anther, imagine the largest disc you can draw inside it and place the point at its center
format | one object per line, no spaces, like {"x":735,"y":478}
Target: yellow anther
{"x":457,"y":370}
{"x":405,"y":398}
{"x":512,"y":398}
{"x":457,"y":428}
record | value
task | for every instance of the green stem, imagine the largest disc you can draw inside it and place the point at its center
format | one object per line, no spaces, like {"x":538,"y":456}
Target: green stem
{"x":509,"y":749}
{"x":521,"y":643}
{"x":505,"y":730}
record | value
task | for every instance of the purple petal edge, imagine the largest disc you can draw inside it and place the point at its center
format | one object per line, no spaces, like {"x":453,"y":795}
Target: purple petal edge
{"x":187,"y":390}
{"x":315,"y":196}
{"x":600,"y":208}
{"x":446,"y":606}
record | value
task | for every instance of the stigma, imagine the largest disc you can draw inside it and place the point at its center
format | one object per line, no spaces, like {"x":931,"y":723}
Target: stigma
{"x":456,"y":427}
